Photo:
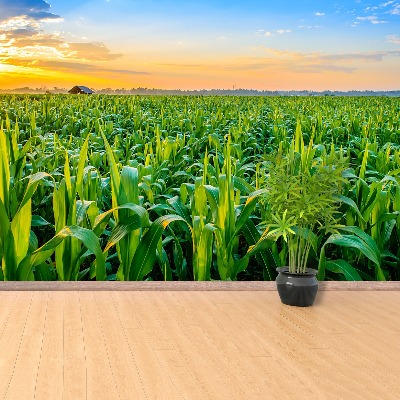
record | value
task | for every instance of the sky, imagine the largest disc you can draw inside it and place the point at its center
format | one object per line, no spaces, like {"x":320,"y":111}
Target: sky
{"x":207,"y":44}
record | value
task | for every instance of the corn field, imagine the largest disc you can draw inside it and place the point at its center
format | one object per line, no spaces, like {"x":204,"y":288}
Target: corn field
{"x":173,"y":188}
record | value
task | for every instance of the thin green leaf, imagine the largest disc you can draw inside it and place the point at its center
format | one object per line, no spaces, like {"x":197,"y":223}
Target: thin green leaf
{"x":145,"y":254}
{"x":87,"y":237}
{"x":343,"y":267}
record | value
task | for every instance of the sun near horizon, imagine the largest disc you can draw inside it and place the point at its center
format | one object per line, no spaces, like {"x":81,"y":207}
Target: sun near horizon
{"x":261,"y":45}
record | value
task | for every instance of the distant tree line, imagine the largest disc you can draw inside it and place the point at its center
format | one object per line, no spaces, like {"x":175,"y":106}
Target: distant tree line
{"x":208,"y":92}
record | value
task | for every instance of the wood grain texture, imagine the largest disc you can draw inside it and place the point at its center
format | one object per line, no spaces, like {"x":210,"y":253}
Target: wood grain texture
{"x":170,"y":345}
{"x":186,"y":285}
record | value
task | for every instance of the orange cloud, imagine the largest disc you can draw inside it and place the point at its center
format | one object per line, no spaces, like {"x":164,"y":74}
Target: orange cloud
{"x":283,"y":60}
{"x":26,"y":49}
{"x":67,"y":66}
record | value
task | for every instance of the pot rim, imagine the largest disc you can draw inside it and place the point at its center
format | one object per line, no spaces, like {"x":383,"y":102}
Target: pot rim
{"x":285,"y":270}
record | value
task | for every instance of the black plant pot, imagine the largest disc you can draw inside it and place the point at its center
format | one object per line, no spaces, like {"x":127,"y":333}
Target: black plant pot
{"x":297,"y":289}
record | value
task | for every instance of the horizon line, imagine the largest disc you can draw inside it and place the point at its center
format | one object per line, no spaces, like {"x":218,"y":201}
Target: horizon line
{"x":140,"y":88}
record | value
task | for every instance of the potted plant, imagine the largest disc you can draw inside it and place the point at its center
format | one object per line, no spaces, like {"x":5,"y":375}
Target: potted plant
{"x":301,"y":206}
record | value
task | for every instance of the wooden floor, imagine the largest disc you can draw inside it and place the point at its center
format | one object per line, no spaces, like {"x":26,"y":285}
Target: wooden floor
{"x":198,"y":345}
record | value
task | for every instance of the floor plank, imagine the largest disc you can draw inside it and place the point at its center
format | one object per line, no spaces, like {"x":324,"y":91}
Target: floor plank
{"x":49,"y":374}
{"x":12,"y":336}
{"x":101,"y":381}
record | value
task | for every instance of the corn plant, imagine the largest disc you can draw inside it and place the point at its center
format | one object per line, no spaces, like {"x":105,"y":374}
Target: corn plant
{"x":127,"y":170}
{"x":16,"y":217}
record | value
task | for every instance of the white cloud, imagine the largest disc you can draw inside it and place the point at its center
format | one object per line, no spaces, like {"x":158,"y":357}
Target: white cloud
{"x":387,"y":3}
{"x":262,"y":32}
{"x":373,"y":19}
{"x":382,"y":5}
{"x":319,"y":14}
{"x":395,"y":10}
{"x":393,"y":39}
{"x":309,"y":26}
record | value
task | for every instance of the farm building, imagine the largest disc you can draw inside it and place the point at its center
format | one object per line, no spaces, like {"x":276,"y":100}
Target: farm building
{"x":80,"y":90}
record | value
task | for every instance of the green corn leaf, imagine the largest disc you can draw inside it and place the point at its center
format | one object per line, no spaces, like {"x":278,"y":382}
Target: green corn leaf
{"x":351,"y":203}
{"x":354,"y":242}
{"x":44,"y":272}
{"x":163,"y":261}
{"x":20,"y":162}
{"x":180,"y":261}
{"x":160,"y":209}
{"x":265,"y":258}
{"x":81,"y":166}
{"x":145,"y":254}
{"x":387,"y":217}
{"x":4,"y":169}
{"x":33,"y":242}
{"x":186,"y":189}
{"x":389,"y":228}
{"x":4,"y":227}
{"x":115,"y":177}
{"x":212,"y":197}
{"x":389,"y":178}
{"x":82,"y":208}
{"x":203,"y":253}
{"x":364,"y":162}
{"x":366,"y":238}
{"x":248,"y":208}
{"x":241,"y":265}
{"x":177,"y":204}
{"x":225,"y":261}
{"x":370,"y":202}
{"x":362,"y":242}
{"x":33,"y":183}
{"x":199,"y":201}
{"x":60,"y":205}
{"x":130,"y":185}
{"x":321,"y":265}
{"x":394,"y":172}
{"x":9,"y":257}
{"x":102,"y":219}
{"x":349,"y":174}
{"x":21,"y":228}
{"x":263,"y":244}
{"x":343,"y":267}
{"x":123,"y":229}
{"x":87,"y":237}
{"x":242,"y":185}
{"x":387,"y":254}
{"x":37,"y":220}
{"x":67,"y":178}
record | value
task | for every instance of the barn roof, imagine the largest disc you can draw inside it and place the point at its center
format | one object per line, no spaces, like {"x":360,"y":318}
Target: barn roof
{"x":80,"y":89}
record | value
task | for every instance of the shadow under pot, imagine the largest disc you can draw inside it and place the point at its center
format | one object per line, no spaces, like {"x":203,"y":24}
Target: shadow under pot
{"x":297,"y":289}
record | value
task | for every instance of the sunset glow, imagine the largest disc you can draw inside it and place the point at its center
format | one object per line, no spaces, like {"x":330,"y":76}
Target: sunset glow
{"x":193,"y":45}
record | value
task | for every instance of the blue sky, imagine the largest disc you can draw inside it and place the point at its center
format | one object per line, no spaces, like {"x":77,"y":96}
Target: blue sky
{"x":202,"y":44}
